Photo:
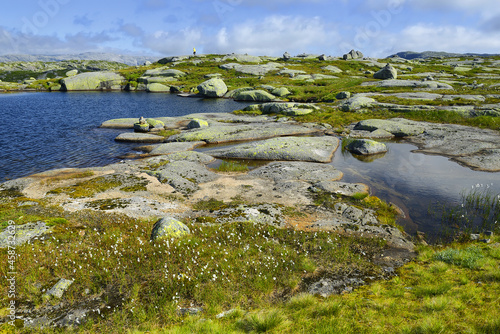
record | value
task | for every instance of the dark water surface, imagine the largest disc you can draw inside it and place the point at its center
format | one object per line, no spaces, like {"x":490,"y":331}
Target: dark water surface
{"x":44,"y":131}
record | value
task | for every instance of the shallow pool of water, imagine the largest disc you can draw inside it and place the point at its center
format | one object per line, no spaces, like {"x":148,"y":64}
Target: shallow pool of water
{"x":416,"y":182}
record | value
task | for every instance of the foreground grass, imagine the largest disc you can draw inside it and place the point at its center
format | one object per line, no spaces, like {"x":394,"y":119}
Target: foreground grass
{"x":218,"y":267}
{"x":431,"y":295}
{"x":254,"y":271}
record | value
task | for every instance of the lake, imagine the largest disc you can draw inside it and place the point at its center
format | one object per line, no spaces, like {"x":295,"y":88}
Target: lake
{"x":44,"y":131}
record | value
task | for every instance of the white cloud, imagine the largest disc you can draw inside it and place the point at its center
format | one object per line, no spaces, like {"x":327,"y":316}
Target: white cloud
{"x":486,"y":8}
{"x":14,"y":42}
{"x":173,"y":42}
{"x":274,"y":35}
{"x":422,"y":37}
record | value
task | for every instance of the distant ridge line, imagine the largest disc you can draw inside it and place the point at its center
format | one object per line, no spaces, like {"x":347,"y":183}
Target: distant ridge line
{"x":125,"y":59}
{"x":438,"y":54}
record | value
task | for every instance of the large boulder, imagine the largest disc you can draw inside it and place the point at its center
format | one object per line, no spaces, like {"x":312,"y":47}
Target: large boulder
{"x":281,"y":92}
{"x":366,"y":147}
{"x":213,"y":88}
{"x":388,"y":72}
{"x":93,"y":81}
{"x":353,"y":55}
{"x":157,"y":88}
{"x":169,"y":227}
{"x":357,"y":102}
{"x":254,"y":95}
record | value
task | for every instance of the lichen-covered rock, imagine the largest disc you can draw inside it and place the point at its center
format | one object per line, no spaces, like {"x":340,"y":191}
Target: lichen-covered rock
{"x":197,"y":123}
{"x":312,"y":172}
{"x":281,"y":92}
{"x":398,"y":127}
{"x":342,"y":188}
{"x":169,"y":227}
{"x":157,"y":88}
{"x":139,"y":138}
{"x":168,"y":148}
{"x":93,"y":81}
{"x":333,"y":69}
{"x":315,"y":149}
{"x":253,"y":69}
{"x":59,"y":288}
{"x":184,"y":176}
{"x":141,"y":127}
{"x":357,"y":102}
{"x":164,"y":72}
{"x":213,"y":88}
{"x":343,"y":95}
{"x":155,"y":123}
{"x":366,"y":147}
{"x":254,"y":95}
{"x":352,"y":55}
{"x":388,"y":72}
{"x":409,"y":83}
{"x":71,"y":73}
{"x":22,"y":233}
{"x":229,"y":133}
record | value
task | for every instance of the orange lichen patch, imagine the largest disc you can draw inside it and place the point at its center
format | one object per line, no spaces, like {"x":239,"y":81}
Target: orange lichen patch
{"x":302,"y":223}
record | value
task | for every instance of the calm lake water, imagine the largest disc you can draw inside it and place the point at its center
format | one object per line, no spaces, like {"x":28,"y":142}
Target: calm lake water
{"x":44,"y":131}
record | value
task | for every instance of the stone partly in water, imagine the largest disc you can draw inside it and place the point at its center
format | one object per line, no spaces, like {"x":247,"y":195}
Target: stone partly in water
{"x":157,"y":88}
{"x":197,"y":123}
{"x":139,"y":138}
{"x":213,"y":88}
{"x":169,"y":227}
{"x":388,"y":72}
{"x":366,"y":147}
{"x":93,"y":81}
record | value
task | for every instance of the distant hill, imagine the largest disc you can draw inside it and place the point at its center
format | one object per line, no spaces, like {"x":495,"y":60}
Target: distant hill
{"x":430,"y":54}
{"x":124,"y":59}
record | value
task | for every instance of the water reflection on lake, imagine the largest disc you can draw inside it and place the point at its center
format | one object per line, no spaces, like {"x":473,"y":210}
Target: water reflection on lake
{"x":415,"y":182}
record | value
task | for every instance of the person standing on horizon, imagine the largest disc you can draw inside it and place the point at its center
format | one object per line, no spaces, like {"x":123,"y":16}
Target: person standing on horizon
{"x":194,"y":51}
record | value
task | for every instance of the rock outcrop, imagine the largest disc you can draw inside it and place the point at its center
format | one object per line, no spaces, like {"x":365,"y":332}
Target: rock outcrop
{"x":213,"y":88}
{"x":366,"y":147}
{"x":93,"y":81}
{"x":353,"y":55}
{"x":388,"y":72}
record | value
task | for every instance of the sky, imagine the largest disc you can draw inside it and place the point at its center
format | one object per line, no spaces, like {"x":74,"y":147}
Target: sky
{"x":378,"y":28}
